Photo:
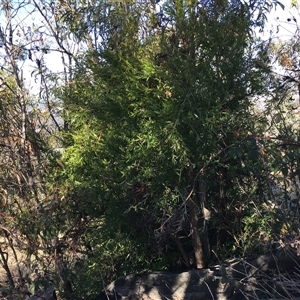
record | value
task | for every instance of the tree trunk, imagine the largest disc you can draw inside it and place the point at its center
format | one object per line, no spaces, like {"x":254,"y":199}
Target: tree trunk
{"x":197,"y":244}
{"x":182,"y":251}
{"x":201,"y":197}
{"x":4,"y":262}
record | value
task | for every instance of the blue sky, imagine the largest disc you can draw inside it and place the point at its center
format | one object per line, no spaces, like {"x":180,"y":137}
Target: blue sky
{"x":281,"y":25}
{"x":281,"y":22}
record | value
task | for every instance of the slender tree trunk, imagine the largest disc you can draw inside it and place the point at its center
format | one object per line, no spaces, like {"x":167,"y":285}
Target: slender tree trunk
{"x":182,"y":251}
{"x":201,"y":197}
{"x":4,"y":262}
{"x":10,"y":243}
{"x":197,"y":244}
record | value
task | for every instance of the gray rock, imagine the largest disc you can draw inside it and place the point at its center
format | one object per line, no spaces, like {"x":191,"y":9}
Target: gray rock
{"x":240,"y":279}
{"x":48,"y":294}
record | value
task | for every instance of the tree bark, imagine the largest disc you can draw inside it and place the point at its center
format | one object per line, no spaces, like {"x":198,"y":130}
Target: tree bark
{"x":4,"y":259}
{"x":197,"y":244}
{"x":182,"y":251}
{"x":201,"y":197}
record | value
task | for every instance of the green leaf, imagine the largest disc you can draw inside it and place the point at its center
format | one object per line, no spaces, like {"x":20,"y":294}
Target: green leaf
{"x":285,"y":171}
{"x":281,"y":4}
{"x":254,"y":155}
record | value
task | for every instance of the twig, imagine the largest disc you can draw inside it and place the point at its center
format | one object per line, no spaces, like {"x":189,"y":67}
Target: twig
{"x":212,"y":296}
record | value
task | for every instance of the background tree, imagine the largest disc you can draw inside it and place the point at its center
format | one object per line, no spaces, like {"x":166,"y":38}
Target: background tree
{"x":28,"y":149}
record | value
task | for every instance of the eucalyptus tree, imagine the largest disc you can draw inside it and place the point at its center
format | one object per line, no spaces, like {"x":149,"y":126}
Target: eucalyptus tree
{"x":29,"y":119}
{"x":282,"y":126}
{"x":154,"y":113}
{"x":162,"y":136}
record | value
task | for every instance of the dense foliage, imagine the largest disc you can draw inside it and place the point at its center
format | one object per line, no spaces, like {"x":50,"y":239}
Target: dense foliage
{"x":152,"y":150}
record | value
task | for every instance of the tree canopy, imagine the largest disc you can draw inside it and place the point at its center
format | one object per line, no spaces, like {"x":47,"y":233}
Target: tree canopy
{"x":164,"y":141}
